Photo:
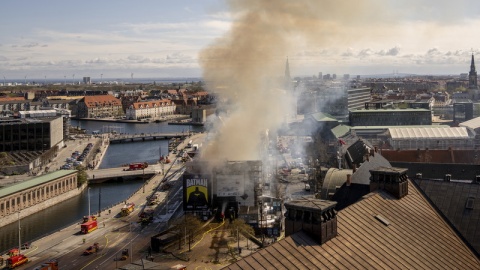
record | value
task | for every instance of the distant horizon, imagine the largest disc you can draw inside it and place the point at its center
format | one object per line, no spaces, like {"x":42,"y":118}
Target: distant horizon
{"x":194,"y":78}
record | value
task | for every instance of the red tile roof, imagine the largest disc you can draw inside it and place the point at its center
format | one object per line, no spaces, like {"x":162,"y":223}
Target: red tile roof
{"x":101,"y":101}
{"x":7,"y":98}
{"x":151,"y":104}
{"x":201,"y":94}
{"x":432,"y":156}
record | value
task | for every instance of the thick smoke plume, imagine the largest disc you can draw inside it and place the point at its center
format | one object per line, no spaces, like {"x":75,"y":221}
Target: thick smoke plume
{"x":243,"y":67}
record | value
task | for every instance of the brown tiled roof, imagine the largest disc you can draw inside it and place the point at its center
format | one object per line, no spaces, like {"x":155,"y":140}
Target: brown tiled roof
{"x":101,"y":101}
{"x":151,"y":104}
{"x":433,"y":156}
{"x":201,"y":94}
{"x":416,"y":238}
{"x":7,"y":98}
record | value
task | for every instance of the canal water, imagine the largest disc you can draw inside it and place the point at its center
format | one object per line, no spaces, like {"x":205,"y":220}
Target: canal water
{"x":71,"y":211}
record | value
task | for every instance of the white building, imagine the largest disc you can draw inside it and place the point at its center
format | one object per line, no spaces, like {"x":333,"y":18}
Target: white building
{"x":150,"y":109}
{"x":413,"y":138}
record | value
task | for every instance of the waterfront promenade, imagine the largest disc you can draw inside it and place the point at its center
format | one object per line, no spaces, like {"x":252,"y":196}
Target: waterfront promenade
{"x":67,"y":240}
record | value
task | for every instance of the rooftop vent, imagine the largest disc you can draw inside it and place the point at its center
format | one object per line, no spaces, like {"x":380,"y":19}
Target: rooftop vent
{"x":383,"y":220}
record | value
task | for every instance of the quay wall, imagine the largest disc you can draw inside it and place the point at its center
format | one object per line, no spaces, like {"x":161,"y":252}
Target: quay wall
{"x":42,"y":205}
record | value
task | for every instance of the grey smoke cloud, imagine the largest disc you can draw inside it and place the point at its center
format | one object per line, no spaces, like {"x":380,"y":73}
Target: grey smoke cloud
{"x":241,"y":65}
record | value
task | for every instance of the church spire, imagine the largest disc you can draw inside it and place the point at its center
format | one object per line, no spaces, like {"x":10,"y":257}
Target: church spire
{"x":287,"y":71}
{"x":287,"y":80}
{"x":472,"y":75}
{"x":472,"y":65}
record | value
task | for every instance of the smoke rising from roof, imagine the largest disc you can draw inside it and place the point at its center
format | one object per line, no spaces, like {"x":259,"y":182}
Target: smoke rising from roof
{"x":242,"y":66}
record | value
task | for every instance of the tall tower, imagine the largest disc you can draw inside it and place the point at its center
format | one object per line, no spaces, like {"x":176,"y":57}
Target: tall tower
{"x":287,"y":72}
{"x":472,"y":75}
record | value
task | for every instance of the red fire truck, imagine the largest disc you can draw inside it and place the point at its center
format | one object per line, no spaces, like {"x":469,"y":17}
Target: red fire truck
{"x":127,"y":209}
{"x":88,"y":226}
{"x":137,"y":166}
{"x":16,"y":260}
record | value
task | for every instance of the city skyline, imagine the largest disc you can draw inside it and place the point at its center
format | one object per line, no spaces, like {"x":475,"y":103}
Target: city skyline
{"x":155,"y":39}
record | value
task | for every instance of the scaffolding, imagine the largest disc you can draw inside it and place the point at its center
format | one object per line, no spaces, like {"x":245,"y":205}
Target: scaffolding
{"x":113,"y":129}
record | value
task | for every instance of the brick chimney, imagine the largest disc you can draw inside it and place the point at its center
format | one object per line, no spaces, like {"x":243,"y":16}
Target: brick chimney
{"x":394,"y":180}
{"x":354,"y":167}
{"x":372,"y":152}
{"x":315,"y":217}
{"x":349,"y":180}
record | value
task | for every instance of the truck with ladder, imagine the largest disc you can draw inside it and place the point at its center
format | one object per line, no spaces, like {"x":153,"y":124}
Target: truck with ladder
{"x":127,"y":209}
{"x":16,"y":260}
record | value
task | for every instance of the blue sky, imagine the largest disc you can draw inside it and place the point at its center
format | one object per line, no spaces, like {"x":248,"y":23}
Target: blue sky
{"x":163,"y":38}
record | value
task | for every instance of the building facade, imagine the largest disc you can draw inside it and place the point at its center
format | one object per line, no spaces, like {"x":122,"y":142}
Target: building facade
{"x":431,"y":138}
{"x":390,"y":117}
{"x":30,"y":134}
{"x":150,"y":109}
{"x":30,"y":193}
{"x":357,"y":97}
{"x":98,"y":106}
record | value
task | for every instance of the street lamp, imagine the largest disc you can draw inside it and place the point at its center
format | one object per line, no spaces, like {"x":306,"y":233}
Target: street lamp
{"x":19,"y":232}
{"x":88,"y":192}
{"x":143,"y":177}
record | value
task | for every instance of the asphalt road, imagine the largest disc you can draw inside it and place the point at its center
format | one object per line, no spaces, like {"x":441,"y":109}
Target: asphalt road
{"x":114,"y":234}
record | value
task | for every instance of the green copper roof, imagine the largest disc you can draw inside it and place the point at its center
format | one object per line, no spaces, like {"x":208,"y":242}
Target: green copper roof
{"x":340,"y":130}
{"x":323,"y":117}
{"x":34,"y":182}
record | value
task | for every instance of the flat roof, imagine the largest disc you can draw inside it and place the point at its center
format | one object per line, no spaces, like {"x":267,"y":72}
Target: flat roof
{"x":387,"y":127}
{"x":389,"y":110}
{"x":429,"y":133}
{"x":34,"y":182}
{"x":472,"y":123}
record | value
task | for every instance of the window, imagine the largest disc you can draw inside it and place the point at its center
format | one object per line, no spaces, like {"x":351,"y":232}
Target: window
{"x":470,"y":202}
